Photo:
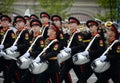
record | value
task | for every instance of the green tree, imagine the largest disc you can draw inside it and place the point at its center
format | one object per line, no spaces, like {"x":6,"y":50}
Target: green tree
{"x":6,"y":6}
{"x":59,"y":7}
{"x":111,"y":5}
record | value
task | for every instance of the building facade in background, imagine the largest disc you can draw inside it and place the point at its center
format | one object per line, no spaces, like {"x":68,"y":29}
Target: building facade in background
{"x":81,"y":9}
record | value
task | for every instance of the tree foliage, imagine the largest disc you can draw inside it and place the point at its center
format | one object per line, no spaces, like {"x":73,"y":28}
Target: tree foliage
{"x":59,"y":7}
{"x":6,"y":6}
{"x":111,"y":5}
{"x":106,"y":3}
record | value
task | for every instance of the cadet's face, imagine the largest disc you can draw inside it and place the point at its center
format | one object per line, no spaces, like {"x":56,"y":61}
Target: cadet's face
{"x":51,"y":32}
{"x":36,"y":28}
{"x":73,"y":26}
{"x":93,"y":28}
{"x":57,"y":22}
{"x":44,"y":19}
{"x":5,"y":23}
{"x":20,"y":24}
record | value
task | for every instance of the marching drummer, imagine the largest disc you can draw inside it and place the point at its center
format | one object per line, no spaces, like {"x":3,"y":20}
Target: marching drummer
{"x":10,"y":37}
{"x":57,"y":20}
{"x":113,"y":56}
{"x":50,"y":55}
{"x":38,"y":46}
{"x":20,"y":45}
{"x":95,"y":50}
{"x":76,"y":46}
{"x":7,"y":39}
{"x":45,"y":19}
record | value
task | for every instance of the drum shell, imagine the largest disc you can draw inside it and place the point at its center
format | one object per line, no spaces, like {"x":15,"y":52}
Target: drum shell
{"x":12,"y":54}
{"x":38,"y":67}
{"x":81,"y":59}
{"x":23,"y":62}
{"x":63,"y":56}
{"x":99,"y":66}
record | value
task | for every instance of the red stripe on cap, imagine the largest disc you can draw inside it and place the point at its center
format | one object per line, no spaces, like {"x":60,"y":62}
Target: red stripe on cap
{"x":91,"y":23}
{"x":35,"y":23}
{"x":33,"y":17}
{"x":5,"y":18}
{"x":44,"y":15}
{"x":20,"y":19}
{"x":73,"y":21}
{"x":27,"y":18}
{"x":56,"y":18}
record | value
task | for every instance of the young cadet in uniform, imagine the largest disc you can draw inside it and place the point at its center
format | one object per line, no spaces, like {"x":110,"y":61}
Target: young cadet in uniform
{"x":21,"y":46}
{"x":57,"y":20}
{"x":8,"y":41}
{"x":76,"y":46}
{"x":45,"y":19}
{"x":50,"y":55}
{"x":96,"y":49}
{"x":35,"y":25}
{"x":5,"y":23}
{"x":113,"y":56}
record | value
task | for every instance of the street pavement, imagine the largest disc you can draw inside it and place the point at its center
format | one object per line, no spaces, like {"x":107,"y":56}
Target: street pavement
{"x":92,"y":79}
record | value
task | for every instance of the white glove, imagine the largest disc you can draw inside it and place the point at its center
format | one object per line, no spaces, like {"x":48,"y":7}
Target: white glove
{"x":13,"y":48}
{"x":37,"y":59}
{"x":27,"y":54}
{"x":1,"y":47}
{"x":68,"y":50}
{"x":85,"y":53}
{"x":2,"y":53}
{"x":102,"y":58}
